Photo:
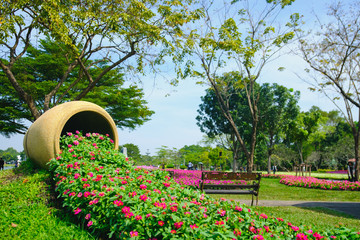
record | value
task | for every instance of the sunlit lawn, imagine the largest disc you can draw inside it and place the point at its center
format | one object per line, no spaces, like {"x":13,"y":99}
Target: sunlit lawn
{"x":271,"y":189}
{"x":323,"y":218}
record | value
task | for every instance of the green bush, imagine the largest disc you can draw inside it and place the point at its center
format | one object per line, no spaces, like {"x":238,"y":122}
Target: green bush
{"x":170,"y":166}
{"x":324,"y":170}
{"x":183,"y":167}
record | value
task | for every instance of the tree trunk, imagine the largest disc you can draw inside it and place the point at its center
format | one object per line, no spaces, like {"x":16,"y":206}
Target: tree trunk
{"x":357,"y":160}
{"x":24,"y":95}
{"x":269,"y":162}
{"x":270,"y":150}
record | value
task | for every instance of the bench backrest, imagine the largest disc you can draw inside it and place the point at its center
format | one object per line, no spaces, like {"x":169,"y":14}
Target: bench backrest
{"x":230,"y":176}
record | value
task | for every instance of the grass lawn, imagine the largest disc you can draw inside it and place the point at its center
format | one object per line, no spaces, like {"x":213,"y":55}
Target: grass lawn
{"x":271,"y":189}
{"x":323,"y":218}
{"x":28,"y":211}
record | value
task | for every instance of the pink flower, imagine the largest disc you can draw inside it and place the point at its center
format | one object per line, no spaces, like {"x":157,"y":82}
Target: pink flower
{"x":76,"y":142}
{"x":219,"y":223}
{"x":143,"y":197}
{"x":86,"y":194}
{"x":76,"y":176}
{"x":129,"y":214}
{"x":178,"y":225}
{"x":317,"y":236}
{"x":90,"y":223}
{"x":258,"y":237}
{"x":132,"y":194}
{"x":161,"y":223}
{"x":101,"y":194}
{"x":173,"y":231}
{"x":90,"y":174}
{"x":118,"y":203}
{"x":134,"y":233}
{"x":69,"y":134}
{"x":125,"y":210}
{"x":221,"y":212}
{"x":95,"y":201}
{"x":77,"y":211}
{"x":193,"y":226}
{"x":264,"y":216}
{"x":80,"y":194}
{"x":237,"y":232}
{"x":138,"y":217}
{"x":295,"y":228}
{"x":238,"y":208}
{"x":301,"y":236}
{"x":142,"y":186}
{"x":88,"y":216}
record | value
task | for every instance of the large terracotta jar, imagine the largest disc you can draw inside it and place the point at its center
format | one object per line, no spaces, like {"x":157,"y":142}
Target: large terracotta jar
{"x":42,"y":140}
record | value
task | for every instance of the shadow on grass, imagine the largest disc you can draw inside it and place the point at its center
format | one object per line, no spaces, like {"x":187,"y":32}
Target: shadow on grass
{"x":338,"y":209}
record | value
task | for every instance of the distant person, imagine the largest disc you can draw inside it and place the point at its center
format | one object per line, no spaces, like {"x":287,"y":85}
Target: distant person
{"x":274,"y":169}
{"x":190,"y":166}
{"x":2,"y":163}
{"x":351,"y":171}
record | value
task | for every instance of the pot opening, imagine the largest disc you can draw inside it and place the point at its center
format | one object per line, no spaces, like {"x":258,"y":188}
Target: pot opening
{"x":88,"y":122}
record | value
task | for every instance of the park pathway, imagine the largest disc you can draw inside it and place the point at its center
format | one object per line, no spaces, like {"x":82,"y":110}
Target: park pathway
{"x":350,"y":208}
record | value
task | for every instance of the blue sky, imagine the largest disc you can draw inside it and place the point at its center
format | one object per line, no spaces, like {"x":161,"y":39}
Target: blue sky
{"x":174,"y":124}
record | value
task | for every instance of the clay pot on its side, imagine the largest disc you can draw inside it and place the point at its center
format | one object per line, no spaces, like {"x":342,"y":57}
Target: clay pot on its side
{"x":42,"y":140}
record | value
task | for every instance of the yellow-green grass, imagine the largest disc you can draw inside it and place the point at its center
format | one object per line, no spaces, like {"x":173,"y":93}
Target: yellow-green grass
{"x":320,"y":219}
{"x":272,"y":189}
{"x":28,"y":211}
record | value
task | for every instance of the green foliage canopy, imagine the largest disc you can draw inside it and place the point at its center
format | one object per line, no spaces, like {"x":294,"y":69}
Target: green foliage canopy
{"x":96,"y":37}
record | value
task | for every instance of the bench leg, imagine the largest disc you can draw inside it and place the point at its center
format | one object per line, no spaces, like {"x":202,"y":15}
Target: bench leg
{"x":252,"y":199}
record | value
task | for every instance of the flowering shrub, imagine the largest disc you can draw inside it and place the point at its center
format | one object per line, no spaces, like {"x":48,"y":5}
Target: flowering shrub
{"x":108,"y":194}
{"x":338,"y":172}
{"x":311,"y":182}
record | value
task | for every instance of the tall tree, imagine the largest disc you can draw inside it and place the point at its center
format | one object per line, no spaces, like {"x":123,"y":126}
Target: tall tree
{"x":211,"y":120}
{"x":246,"y":42}
{"x":300,"y":129}
{"x":333,"y":56}
{"x":130,"y":34}
{"x":39,"y":71}
{"x":278,"y":107}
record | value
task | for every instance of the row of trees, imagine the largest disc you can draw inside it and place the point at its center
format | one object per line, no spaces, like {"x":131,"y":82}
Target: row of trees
{"x":10,"y":154}
{"x":286,"y":136}
{"x":57,"y":51}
